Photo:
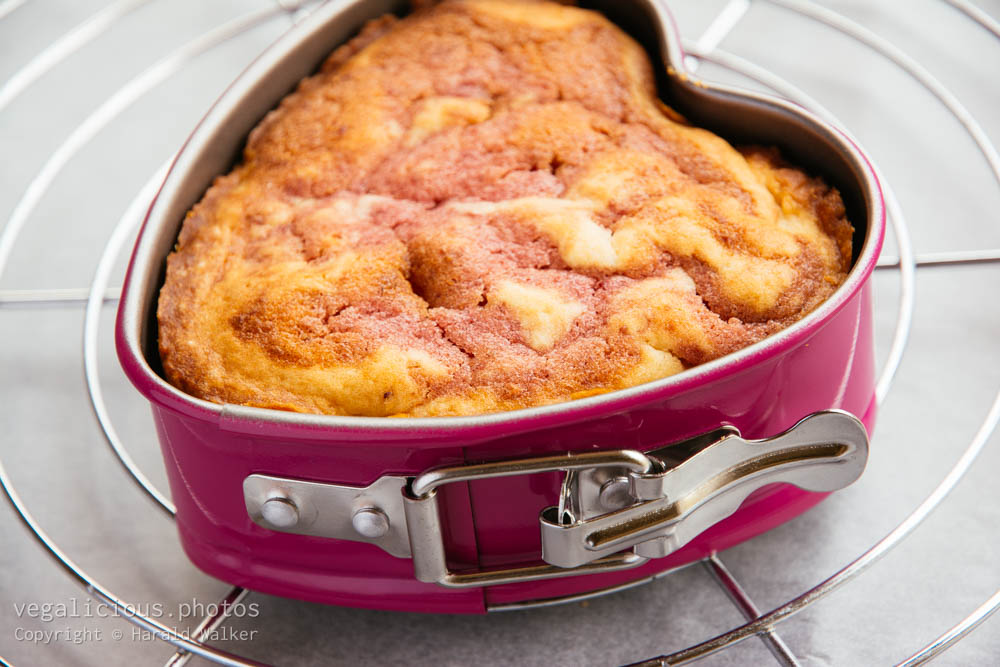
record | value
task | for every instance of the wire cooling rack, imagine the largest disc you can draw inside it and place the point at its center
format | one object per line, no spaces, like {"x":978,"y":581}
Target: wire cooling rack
{"x":896,"y":285}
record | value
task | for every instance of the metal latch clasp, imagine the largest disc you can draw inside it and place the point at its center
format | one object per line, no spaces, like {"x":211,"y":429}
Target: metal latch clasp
{"x":699,"y":482}
{"x":673,"y":494}
{"x":423,"y":520}
{"x":617,"y":509}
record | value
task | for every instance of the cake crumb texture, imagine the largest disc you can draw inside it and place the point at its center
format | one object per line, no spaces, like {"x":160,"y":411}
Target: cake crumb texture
{"x":484,"y":207}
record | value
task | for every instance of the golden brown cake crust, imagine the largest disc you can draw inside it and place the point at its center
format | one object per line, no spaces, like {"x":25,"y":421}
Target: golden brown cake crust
{"x":483,"y":207}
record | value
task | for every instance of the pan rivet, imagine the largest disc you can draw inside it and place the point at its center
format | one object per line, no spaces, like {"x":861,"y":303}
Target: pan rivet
{"x":280,"y":512}
{"x":370,"y":522}
{"x":615,"y":493}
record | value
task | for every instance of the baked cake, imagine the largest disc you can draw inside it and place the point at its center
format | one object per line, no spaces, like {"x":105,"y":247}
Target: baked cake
{"x":482,"y":207}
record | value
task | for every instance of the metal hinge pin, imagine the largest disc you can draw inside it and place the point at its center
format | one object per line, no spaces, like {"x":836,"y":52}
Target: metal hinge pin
{"x":615,"y":494}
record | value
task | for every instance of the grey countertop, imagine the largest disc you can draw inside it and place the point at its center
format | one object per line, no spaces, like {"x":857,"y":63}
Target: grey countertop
{"x":57,"y":459}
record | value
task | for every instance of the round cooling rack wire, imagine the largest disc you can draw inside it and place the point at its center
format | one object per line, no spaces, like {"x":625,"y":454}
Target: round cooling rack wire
{"x":703,"y":50}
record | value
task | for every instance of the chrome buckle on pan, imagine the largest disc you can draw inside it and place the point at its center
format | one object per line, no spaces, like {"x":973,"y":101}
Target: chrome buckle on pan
{"x":617,"y":508}
{"x":699,"y":482}
{"x":424,"y":521}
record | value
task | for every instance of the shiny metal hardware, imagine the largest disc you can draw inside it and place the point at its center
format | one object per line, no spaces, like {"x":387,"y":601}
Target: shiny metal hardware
{"x":371,"y":514}
{"x":698,"y":482}
{"x":280,"y":512}
{"x":617,"y":509}
{"x":424,"y":521}
{"x":616,"y":493}
{"x":658,"y":501}
{"x":370,"y":522}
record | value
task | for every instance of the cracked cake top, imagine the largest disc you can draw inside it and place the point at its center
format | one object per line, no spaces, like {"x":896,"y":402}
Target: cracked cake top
{"x":483,"y":207}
